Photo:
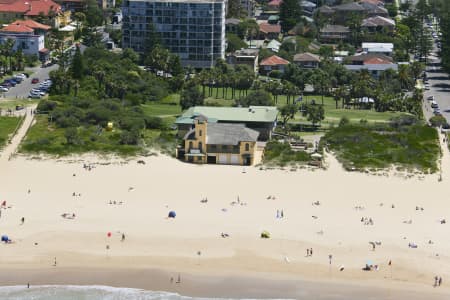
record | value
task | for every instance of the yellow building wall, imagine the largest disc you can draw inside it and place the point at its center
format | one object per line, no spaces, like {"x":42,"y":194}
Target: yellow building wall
{"x":200,"y":136}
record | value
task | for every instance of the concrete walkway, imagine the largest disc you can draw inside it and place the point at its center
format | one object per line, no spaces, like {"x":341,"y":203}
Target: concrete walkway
{"x":10,"y":149}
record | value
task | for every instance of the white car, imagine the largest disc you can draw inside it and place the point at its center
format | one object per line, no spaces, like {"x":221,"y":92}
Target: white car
{"x":38,"y":92}
{"x":3,"y":89}
{"x":35,"y":96}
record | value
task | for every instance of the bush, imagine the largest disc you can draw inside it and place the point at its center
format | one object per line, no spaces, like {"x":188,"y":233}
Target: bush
{"x":129,"y":137}
{"x":344,"y":121}
{"x":438,"y":121}
{"x":46,"y":106}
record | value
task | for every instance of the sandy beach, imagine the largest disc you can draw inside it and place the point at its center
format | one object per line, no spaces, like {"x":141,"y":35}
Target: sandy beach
{"x":403,"y":212}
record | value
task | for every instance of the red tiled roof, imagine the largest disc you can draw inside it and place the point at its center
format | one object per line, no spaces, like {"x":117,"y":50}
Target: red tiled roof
{"x":29,"y":7}
{"x":269,"y":28}
{"x":275,"y":3}
{"x":16,"y":28}
{"x":32,"y":24}
{"x":273,"y":61}
{"x":42,"y":6}
{"x":377,"y":61}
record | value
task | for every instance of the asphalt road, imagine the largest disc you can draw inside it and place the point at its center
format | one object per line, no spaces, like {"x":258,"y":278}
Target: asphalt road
{"x":21,"y":90}
{"x":439,"y":85}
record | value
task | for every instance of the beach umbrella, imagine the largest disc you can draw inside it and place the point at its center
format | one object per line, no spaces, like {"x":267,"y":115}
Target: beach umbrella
{"x":172,"y":214}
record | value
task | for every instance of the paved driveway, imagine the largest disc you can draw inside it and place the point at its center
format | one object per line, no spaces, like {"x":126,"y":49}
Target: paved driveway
{"x":21,"y":91}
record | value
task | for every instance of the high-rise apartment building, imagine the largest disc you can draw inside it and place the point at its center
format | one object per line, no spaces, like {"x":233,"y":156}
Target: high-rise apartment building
{"x":193,"y":29}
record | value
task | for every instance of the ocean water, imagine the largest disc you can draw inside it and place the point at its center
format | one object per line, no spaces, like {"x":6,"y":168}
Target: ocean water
{"x":74,"y":292}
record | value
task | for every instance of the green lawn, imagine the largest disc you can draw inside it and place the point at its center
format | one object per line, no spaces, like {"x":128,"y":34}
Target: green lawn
{"x":6,"y":104}
{"x":161,"y":110}
{"x":7,"y":127}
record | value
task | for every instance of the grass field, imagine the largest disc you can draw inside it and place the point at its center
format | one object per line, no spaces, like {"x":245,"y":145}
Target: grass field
{"x":7,"y":127}
{"x":11,"y":104}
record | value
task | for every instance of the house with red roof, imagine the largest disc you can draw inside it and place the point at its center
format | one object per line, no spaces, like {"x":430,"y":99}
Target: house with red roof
{"x":272,"y":63}
{"x":374,"y":63}
{"x":28,"y":36}
{"x":32,"y":9}
{"x":269,"y":31}
{"x":274,"y":5}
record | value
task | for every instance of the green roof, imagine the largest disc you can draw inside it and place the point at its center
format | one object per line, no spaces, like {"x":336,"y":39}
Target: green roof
{"x":215,"y":114}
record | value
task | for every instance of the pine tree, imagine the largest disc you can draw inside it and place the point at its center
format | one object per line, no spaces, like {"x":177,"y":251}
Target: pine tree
{"x":77,"y":67}
{"x":290,"y":14}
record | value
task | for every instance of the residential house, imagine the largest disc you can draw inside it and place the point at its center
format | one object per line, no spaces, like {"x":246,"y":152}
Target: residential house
{"x":249,"y":7}
{"x":220,"y":143}
{"x":373,"y":10}
{"x":334,"y":33}
{"x":272,"y":63}
{"x":308,"y":8}
{"x":260,"y":118}
{"x":378,"y":48}
{"x":28,"y":36}
{"x":274,"y":46}
{"x":73,"y":5}
{"x":307,"y":60}
{"x":231,"y":25}
{"x":274,"y":5}
{"x":247,"y":57}
{"x":105,"y":4}
{"x":340,"y":13}
{"x":374,"y":63}
{"x":269,"y":31}
{"x":20,"y":9}
{"x":378,"y":24}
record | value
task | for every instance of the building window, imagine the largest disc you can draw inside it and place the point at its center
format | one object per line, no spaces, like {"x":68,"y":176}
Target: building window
{"x":247,"y":147}
{"x":200,"y":146}
{"x":200,"y":132}
{"x":190,"y":145}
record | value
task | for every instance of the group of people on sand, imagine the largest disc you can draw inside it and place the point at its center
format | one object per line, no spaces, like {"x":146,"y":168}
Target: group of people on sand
{"x":367,"y":221}
{"x":437,"y":281}
{"x":280,"y":214}
{"x":309,"y":252}
{"x":68,"y":216}
{"x":88,"y":167}
{"x":115,"y":202}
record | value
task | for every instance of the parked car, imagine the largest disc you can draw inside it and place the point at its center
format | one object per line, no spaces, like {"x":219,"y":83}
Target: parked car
{"x":430,"y":98}
{"x":10,"y":81}
{"x":34,"y":80}
{"x":434,"y":104}
{"x":34,"y":96}
{"x":37,"y":91}
{"x":4,"y":89}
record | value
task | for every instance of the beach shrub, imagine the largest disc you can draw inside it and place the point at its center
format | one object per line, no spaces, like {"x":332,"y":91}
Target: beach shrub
{"x":438,"y":121}
{"x":404,"y":142}
{"x":280,"y":153}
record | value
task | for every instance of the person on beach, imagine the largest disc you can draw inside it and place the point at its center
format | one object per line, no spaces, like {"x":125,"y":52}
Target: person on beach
{"x":123,"y":237}
{"x":310,"y":251}
{"x":440,"y":281}
{"x":282,"y":214}
{"x":307,"y":252}
{"x":54,"y":264}
{"x":22,"y":220}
